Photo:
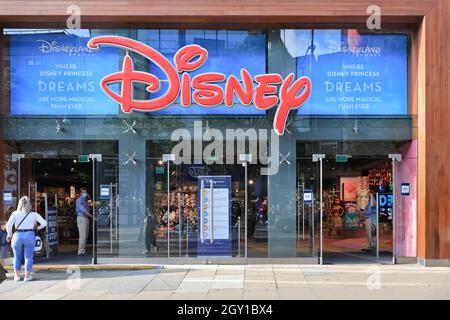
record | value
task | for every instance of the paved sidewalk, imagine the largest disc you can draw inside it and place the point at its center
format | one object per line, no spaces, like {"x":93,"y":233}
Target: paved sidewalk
{"x":237,"y":282}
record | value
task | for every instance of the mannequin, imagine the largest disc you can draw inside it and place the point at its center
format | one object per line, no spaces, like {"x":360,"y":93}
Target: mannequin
{"x":336,"y":219}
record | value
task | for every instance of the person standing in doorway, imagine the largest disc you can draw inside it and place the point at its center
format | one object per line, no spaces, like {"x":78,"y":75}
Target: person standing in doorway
{"x":370,"y":215}
{"x":149,"y":230}
{"x":83,"y":215}
{"x":3,"y":243}
{"x":3,"y":251}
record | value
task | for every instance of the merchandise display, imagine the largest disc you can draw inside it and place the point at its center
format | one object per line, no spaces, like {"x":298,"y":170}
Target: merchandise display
{"x":344,"y":207}
{"x":352,"y":218}
{"x":185,"y":200}
{"x":183,"y":210}
{"x":380,"y":177}
{"x":260,"y":228}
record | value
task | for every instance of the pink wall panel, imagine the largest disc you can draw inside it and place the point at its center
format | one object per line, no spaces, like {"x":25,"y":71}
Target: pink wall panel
{"x":406,"y":206}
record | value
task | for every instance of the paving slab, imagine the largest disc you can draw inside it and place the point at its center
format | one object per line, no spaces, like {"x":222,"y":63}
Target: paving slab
{"x":260,"y":278}
{"x":32,"y":286}
{"x":153,"y":295}
{"x":9,"y":285}
{"x":134,"y":284}
{"x":225,"y":294}
{"x":228,"y":282}
{"x":66,"y":285}
{"x":350,"y":293}
{"x":231,"y":266}
{"x":46,"y":296}
{"x":261,"y":295}
{"x":163,"y":284}
{"x":15,"y":295}
{"x":82,"y":295}
{"x":255,"y":272}
{"x":256,"y":285}
{"x":102,"y":284}
{"x":418,"y":293}
{"x":229,"y":271}
{"x":194,"y":287}
{"x":292,"y":284}
{"x":188,"y":296}
{"x":116,"y":296}
{"x":304,"y":293}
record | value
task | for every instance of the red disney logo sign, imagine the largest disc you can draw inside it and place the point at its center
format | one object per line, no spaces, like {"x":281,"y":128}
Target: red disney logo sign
{"x":202,"y":89}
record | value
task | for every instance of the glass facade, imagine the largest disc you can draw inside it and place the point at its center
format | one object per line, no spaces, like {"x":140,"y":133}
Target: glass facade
{"x":61,"y":131}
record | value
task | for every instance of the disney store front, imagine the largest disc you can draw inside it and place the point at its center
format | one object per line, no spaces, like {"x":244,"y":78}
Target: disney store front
{"x":207,"y":146}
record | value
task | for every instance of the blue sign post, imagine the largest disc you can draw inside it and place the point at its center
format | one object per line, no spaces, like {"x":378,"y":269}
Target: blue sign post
{"x":307,"y":196}
{"x":105,"y":192}
{"x":52,"y":231}
{"x":405,"y":189}
{"x":214,"y":216}
{"x":8,"y":197}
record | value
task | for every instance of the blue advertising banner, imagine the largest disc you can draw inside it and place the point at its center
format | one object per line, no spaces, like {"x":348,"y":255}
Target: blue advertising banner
{"x":56,"y":74}
{"x":351,"y":73}
{"x":228,"y":52}
{"x":215,"y":216}
{"x":355,"y":74}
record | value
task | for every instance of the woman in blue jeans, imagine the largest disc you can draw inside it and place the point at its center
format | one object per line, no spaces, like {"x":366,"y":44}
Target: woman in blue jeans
{"x":23,"y":240}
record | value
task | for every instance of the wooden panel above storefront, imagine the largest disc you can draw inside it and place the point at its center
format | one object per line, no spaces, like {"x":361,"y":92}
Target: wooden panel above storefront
{"x":201,"y":12}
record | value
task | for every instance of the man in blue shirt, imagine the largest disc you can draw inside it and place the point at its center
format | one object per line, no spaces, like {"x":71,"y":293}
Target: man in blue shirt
{"x":370,"y":216}
{"x":83,"y":215}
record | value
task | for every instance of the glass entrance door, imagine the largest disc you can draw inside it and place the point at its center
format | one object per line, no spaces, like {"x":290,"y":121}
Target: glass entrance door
{"x":52,"y":174}
{"x":207,"y":218}
{"x":237,"y":227}
{"x":170,"y":228}
{"x":308,"y":208}
{"x":53,"y":186}
{"x":26,"y":184}
{"x":204,"y":220}
{"x":106,"y":200}
{"x":358,"y":207}
{"x":346,"y":209}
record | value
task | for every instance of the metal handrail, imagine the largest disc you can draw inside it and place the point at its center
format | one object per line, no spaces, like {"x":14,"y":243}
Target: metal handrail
{"x":211,"y":188}
{"x":238,"y":226}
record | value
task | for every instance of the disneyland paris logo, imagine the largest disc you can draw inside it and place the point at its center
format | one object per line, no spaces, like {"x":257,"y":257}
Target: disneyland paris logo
{"x":53,"y":47}
{"x":359,"y":51}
